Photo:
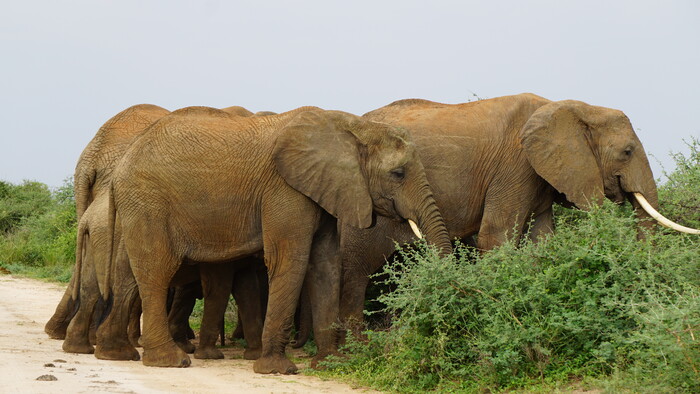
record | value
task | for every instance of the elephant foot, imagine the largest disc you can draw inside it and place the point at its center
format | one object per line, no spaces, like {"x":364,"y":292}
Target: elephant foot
{"x":167,"y":355}
{"x":252,"y":354}
{"x":124,"y":352}
{"x":274,"y":364}
{"x":56,"y":330}
{"x":208,"y":353}
{"x":80,"y":347}
{"x":186,"y":346}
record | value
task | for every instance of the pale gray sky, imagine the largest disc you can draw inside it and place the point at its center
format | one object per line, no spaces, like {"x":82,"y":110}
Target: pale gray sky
{"x":68,"y":66}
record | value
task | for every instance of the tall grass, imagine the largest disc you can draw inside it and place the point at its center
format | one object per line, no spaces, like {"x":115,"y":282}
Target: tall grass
{"x":590,"y":302}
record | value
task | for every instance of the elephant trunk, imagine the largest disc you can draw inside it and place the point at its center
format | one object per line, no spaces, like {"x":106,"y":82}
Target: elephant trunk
{"x":638,"y":180}
{"x":431,"y":223}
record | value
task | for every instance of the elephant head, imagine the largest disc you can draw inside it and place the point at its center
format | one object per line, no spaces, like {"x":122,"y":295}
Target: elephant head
{"x":353,"y":167}
{"x":588,"y":153}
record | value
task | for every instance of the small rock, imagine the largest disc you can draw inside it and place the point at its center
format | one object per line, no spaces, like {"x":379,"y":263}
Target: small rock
{"x":49,"y":365}
{"x":47,"y":378}
{"x":71,"y":369}
{"x":58,"y":360}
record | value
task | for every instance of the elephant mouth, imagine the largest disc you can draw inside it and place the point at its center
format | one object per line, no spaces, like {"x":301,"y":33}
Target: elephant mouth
{"x":617,"y":194}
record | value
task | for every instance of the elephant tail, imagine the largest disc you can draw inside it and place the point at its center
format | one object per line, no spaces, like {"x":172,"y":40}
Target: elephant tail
{"x":106,"y":285}
{"x":79,"y":249}
{"x":84,"y":180}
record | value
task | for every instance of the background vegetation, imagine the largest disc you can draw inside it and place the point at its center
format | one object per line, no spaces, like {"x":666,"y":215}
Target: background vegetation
{"x":37,"y":229}
{"x":590,"y":307}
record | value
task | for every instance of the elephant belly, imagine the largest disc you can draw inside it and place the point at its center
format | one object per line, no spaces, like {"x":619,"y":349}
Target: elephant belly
{"x":212,"y":235}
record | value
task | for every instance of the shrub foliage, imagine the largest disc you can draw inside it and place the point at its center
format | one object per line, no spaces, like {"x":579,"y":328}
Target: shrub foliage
{"x":38,"y":228}
{"x":588,"y":301}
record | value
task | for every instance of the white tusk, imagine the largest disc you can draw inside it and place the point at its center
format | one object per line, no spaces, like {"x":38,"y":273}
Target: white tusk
{"x":415,"y":229}
{"x":660,"y":218}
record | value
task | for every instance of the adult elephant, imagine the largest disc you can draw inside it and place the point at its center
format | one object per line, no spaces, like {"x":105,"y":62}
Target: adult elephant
{"x":209,"y":188}
{"x":78,"y":309}
{"x":91,"y":184}
{"x":496,"y":167}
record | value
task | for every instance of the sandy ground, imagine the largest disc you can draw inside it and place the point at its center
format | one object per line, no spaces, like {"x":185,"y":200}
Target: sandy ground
{"x":26,"y":353}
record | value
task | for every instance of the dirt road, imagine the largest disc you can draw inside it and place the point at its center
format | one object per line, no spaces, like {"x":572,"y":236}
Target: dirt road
{"x":26,"y":353}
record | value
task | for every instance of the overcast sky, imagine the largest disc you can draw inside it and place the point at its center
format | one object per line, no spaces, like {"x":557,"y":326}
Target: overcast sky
{"x":68,"y":66}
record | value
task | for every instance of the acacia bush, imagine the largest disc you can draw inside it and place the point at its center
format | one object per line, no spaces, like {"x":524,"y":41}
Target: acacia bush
{"x":590,"y":301}
{"x":38,"y":229}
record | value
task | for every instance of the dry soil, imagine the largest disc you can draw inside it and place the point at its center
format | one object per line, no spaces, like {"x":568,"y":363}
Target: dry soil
{"x":30,"y":362}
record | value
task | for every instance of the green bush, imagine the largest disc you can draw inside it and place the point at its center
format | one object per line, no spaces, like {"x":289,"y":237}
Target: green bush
{"x":679,"y":197}
{"x":39,"y":229}
{"x":591,"y":301}
{"x":19,"y":202}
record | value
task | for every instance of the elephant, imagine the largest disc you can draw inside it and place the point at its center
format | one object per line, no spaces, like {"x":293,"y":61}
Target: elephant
{"x":207,"y":187}
{"x":91,"y":183}
{"x":496,"y":167}
{"x":79,"y":309}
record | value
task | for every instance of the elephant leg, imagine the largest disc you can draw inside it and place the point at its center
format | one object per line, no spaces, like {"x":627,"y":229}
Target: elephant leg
{"x":134,"y":329}
{"x":153,"y":268}
{"x":303,"y":319}
{"x":246,"y":292}
{"x":184,"y":299}
{"x":287,"y":260}
{"x":78,"y":331}
{"x":238,"y":331}
{"x":323,"y":281}
{"x":364,"y":251}
{"x":113,"y":340}
{"x":542,"y":225}
{"x":501,"y":221}
{"x":58,"y":323}
{"x":216,"y":288}
{"x":352,"y":304}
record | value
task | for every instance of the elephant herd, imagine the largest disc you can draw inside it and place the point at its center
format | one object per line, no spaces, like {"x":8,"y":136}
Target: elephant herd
{"x":204,"y":196}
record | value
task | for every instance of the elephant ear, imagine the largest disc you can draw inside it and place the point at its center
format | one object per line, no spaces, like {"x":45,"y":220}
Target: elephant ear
{"x":317,"y":154}
{"x":558,"y":144}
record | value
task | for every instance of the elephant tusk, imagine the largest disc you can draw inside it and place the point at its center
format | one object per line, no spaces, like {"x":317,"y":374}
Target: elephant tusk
{"x":415,"y":229}
{"x":660,"y":218}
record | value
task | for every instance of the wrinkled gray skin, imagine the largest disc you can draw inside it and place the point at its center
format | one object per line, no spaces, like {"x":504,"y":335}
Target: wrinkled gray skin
{"x":205,"y":187}
{"x":496,"y":164}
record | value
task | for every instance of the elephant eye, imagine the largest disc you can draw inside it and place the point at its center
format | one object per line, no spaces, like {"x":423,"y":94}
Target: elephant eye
{"x":398,"y":173}
{"x":627,"y":152}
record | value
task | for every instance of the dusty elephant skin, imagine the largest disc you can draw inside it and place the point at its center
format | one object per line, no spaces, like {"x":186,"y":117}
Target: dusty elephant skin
{"x":76,"y":314}
{"x":91,"y":182}
{"x":495,"y":165}
{"x":203,"y":186}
